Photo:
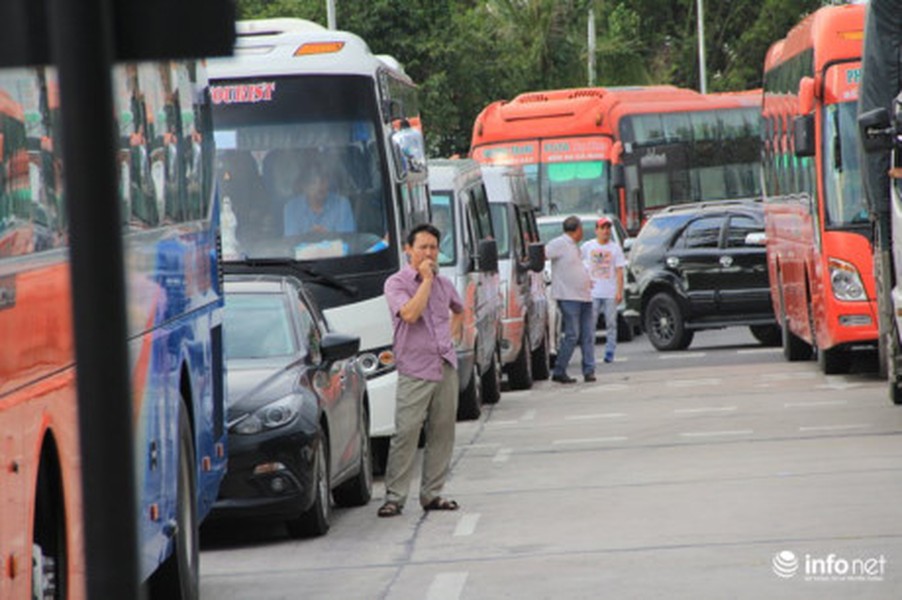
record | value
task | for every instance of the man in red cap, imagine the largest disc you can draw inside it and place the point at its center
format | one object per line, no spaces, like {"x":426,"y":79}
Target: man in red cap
{"x":604,"y":260}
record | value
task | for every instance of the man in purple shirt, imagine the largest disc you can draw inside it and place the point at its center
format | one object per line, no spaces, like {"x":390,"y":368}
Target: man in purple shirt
{"x":421,"y":304}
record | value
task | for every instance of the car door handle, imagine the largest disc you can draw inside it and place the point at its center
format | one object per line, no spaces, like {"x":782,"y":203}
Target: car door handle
{"x":726,"y":261}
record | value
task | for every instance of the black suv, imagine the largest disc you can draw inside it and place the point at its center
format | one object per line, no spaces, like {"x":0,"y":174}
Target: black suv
{"x":701,"y":266}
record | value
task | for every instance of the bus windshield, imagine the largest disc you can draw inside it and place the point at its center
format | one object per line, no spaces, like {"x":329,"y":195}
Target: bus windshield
{"x":844,"y":201}
{"x":576,"y":187}
{"x":301,"y":168}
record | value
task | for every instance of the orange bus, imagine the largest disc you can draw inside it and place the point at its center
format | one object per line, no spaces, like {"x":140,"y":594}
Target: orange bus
{"x":169,"y":227}
{"x":819,"y":244}
{"x":673,"y":145}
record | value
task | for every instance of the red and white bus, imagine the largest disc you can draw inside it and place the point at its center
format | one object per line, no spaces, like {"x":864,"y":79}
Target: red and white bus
{"x":672,"y":146}
{"x":170,"y":229}
{"x":819,"y":244}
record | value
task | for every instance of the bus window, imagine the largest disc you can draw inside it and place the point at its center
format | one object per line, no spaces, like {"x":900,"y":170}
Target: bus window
{"x":845,"y":203}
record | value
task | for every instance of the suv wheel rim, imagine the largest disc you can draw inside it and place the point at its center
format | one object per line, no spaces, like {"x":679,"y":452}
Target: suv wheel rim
{"x":663,"y":323}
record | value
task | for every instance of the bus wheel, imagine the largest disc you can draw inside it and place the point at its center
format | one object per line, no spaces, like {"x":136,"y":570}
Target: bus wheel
{"x":317,"y":519}
{"x":768,"y":335}
{"x":469,"y":405}
{"x":491,"y":381}
{"x":519,"y":373}
{"x":833,"y":361}
{"x":178,"y":577}
{"x":794,"y":347}
{"x":664,"y":324}
{"x":540,"y":369}
{"x":49,"y":557}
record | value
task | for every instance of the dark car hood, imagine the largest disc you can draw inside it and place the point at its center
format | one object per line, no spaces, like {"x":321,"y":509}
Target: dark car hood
{"x":253,"y":383}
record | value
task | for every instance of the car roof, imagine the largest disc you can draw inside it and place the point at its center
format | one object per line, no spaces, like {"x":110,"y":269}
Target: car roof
{"x":259,"y":284}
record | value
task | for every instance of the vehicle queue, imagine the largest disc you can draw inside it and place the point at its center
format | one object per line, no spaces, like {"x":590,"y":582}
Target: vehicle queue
{"x":701,"y":260}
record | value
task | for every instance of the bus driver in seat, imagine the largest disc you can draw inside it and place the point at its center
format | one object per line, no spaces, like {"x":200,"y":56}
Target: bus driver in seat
{"x":317,"y":209}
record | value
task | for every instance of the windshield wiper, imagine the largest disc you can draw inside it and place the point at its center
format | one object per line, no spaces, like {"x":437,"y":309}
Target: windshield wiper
{"x":308,"y":274}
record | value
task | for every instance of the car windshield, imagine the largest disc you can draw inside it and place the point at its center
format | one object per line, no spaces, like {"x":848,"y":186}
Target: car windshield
{"x":845,"y":202}
{"x":301,"y":168}
{"x":548,"y":230}
{"x":258,"y":326}
{"x":500,"y":225}
{"x":443,"y":219}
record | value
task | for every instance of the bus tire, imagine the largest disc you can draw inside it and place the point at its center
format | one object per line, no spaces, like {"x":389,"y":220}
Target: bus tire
{"x":794,"y":347}
{"x":893,"y":376}
{"x":179,"y":577}
{"x":358,"y":490}
{"x":625,"y":332}
{"x":833,"y":361}
{"x":767,"y":335}
{"x":665,"y":325}
{"x":49,"y":550}
{"x":540,"y":363}
{"x":316,"y":520}
{"x":491,"y":381}
{"x":469,"y":403}
{"x":519,"y":373}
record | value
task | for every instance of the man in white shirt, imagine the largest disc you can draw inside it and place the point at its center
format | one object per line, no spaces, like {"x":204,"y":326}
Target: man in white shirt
{"x":571,"y":287}
{"x":604,"y":260}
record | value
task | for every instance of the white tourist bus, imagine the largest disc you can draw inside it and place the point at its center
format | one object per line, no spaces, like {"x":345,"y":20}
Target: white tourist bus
{"x":300,"y":108}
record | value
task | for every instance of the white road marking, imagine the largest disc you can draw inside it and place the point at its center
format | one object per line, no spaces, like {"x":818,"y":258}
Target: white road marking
{"x":479,"y":446}
{"x":502,"y":455}
{"x":815,"y":403}
{"x":607,"y":387}
{"x":595,"y":416}
{"x":675,"y":355}
{"x":789,"y":376}
{"x":447,"y":586}
{"x":509,"y":422}
{"x":834,"y":427}
{"x":759,"y":351}
{"x":466,"y":525}
{"x":528,"y":415}
{"x":598,"y":440}
{"x":705,"y":409}
{"x":681,"y":383}
{"x":838,"y":385}
{"x":717,"y":433}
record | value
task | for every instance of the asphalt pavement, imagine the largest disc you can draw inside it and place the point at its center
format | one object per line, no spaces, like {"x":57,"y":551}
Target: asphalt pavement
{"x":721,"y":471}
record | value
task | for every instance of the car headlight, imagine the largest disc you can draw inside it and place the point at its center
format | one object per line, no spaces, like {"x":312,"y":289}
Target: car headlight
{"x":377,"y":361}
{"x":272,"y":416}
{"x":846,"y":281}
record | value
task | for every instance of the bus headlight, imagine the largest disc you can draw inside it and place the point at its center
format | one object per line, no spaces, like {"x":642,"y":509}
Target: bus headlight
{"x":272,"y":416}
{"x":846,"y":281}
{"x":377,"y":361}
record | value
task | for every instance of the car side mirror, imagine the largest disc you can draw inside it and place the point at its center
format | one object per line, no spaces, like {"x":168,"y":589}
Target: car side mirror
{"x":756,"y":238}
{"x":338,"y":346}
{"x":876,"y":131}
{"x":803,"y":135}
{"x":487,"y":256}
{"x":536,"y":257}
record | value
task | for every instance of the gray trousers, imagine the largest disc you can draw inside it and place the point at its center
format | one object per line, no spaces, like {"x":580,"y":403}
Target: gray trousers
{"x":419,"y":401}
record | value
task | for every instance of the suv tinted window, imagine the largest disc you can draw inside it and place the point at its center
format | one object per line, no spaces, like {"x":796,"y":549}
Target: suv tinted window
{"x":701,"y":233}
{"x":740,"y":227}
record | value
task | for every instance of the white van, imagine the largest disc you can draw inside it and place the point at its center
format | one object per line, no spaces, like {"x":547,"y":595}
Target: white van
{"x":521,"y":261}
{"x":468,"y":256}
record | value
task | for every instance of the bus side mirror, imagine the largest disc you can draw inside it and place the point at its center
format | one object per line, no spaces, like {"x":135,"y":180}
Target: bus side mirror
{"x":409,"y":152}
{"x":617,"y":177}
{"x":487,"y":256}
{"x":876,"y":131}
{"x":803,"y":135}
{"x":806,"y":95}
{"x":536,"y":255}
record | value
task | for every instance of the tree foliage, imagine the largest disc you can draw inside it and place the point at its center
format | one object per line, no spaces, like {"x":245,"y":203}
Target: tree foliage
{"x":467,"y":53}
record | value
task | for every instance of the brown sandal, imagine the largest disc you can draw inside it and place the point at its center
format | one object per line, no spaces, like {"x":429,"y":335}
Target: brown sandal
{"x":389,"y":509}
{"x":440,"y":503}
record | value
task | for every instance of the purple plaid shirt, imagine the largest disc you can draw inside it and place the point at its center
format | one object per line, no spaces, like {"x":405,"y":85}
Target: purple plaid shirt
{"x":420,"y":347}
